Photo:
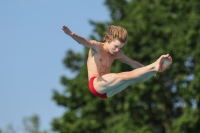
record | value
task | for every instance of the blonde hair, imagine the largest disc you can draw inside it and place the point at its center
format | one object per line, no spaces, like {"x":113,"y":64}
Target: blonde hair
{"x":115,"y":32}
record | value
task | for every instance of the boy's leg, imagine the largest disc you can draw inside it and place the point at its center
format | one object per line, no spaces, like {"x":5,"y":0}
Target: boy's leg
{"x":128,"y":83}
{"x":113,"y":83}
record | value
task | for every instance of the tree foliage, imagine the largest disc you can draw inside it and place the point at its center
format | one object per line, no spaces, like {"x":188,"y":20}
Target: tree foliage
{"x":166,"y":103}
{"x":31,"y":124}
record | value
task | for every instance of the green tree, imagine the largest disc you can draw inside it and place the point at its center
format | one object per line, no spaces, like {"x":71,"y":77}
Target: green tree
{"x":30,"y":125}
{"x":8,"y":129}
{"x":166,"y":103}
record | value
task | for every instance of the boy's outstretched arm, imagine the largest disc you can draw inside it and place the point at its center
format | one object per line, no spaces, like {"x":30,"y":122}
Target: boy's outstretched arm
{"x":125,"y":59}
{"x":79,"y":39}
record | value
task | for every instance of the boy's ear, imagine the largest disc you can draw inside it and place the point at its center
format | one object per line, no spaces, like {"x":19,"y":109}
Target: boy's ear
{"x":109,"y":40}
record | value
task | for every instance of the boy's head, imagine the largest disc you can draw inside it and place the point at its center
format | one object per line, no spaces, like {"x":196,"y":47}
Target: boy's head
{"x":116,"y":37}
{"x":116,"y":33}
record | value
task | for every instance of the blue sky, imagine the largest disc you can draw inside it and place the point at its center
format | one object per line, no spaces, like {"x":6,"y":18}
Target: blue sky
{"x":32,"y":48}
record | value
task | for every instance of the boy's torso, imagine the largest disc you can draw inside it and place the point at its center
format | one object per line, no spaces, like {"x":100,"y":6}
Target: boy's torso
{"x":99,"y":62}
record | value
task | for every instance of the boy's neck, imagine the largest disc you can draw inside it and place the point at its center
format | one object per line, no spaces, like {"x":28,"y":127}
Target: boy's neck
{"x":104,"y":46}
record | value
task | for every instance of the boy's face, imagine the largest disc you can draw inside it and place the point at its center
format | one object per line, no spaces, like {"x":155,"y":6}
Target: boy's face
{"x":114,"y":46}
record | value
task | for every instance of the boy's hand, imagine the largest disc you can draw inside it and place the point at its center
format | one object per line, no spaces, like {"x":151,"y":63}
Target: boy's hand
{"x":67,"y":30}
{"x":165,"y":61}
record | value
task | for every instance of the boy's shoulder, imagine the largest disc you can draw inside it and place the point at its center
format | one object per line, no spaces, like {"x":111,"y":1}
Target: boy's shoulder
{"x":119,"y":54}
{"x":94,"y":42}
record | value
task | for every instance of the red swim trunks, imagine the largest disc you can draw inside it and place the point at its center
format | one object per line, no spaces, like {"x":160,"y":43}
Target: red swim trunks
{"x":93,"y":91}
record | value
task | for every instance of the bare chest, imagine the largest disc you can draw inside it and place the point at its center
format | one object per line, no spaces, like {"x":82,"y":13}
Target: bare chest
{"x":103,"y":57}
{"x":103,"y":61}
{"x":100,"y":63}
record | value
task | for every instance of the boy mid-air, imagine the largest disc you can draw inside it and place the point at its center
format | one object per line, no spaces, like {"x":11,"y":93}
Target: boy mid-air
{"x":104,"y":84}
